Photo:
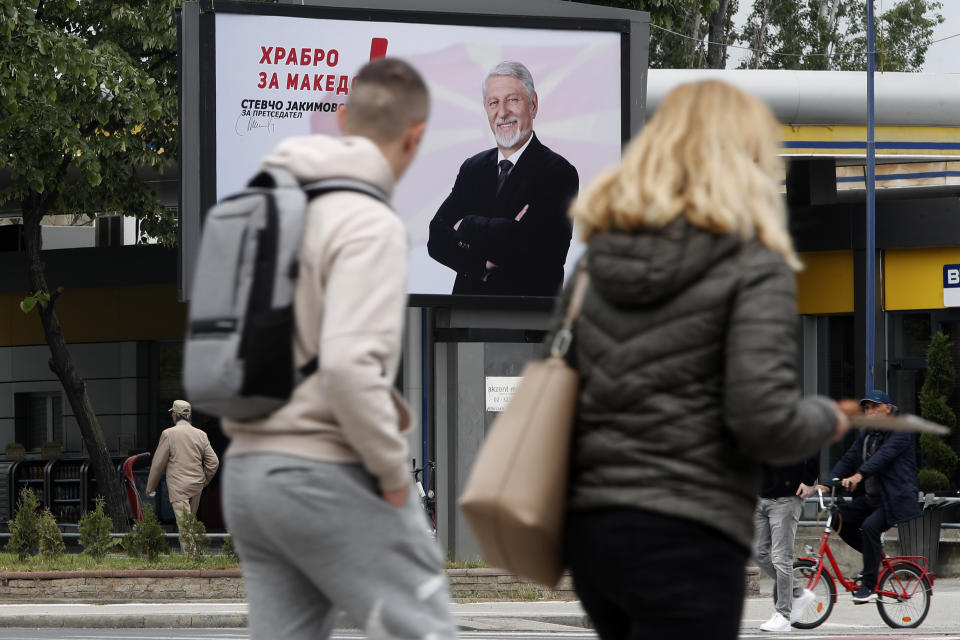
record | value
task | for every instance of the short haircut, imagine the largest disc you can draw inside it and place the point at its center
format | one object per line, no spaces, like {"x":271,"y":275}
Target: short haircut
{"x":388,"y":96}
{"x":513,"y":69}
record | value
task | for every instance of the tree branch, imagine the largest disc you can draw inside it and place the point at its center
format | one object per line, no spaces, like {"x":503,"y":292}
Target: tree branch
{"x":46,"y":201}
{"x":161,"y":61}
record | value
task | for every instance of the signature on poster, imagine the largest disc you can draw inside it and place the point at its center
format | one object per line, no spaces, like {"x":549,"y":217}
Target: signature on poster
{"x":246,"y":125}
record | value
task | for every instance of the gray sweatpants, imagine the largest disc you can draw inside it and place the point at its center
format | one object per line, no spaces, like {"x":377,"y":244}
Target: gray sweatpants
{"x":775,"y":528}
{"x":316,"y":538}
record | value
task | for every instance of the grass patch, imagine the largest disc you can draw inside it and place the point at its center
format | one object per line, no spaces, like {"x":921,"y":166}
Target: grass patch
{"x":83,"y":562}
{"x":466,"y":564}
{"x":521,"y":593}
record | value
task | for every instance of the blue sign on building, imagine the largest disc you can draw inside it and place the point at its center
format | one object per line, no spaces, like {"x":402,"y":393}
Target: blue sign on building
{"x":951,"y":285}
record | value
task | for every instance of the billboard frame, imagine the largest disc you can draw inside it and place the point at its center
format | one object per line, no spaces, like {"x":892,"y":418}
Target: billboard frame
{"x":197,"y":37}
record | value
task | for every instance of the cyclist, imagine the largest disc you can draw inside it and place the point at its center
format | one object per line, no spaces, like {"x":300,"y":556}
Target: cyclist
{"x":880,"y":469}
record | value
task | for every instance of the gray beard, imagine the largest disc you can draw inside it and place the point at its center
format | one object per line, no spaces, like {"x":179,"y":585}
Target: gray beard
{"x":506,"y":142}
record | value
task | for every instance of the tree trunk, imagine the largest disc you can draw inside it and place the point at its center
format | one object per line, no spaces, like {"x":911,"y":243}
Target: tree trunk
{"x":716,"y":50}
{"x":761,"y":33}
{"x":828,"y":13}
{"x":696,"y":46}
{"x":61,"y":363}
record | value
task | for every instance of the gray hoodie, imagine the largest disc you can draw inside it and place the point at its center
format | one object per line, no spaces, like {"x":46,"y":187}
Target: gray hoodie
{"x":349,"y":305}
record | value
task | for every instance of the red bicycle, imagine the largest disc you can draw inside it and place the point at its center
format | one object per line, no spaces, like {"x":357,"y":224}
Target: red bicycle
{"x":904,"y":584}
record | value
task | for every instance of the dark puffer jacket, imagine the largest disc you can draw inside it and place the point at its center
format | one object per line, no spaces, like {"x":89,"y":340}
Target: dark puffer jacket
{"x":687,"y":349}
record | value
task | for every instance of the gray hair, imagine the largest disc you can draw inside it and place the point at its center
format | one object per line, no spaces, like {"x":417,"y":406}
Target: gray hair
{"x":513,"y":69}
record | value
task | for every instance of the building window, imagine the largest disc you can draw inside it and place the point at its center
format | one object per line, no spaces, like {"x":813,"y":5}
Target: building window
{"x":38,"y":419}
{"x":909,"y":335}
{"x":836,"y":375}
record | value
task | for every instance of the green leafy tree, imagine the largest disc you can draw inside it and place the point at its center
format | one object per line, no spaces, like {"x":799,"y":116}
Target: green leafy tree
{"x":88,"y":103}
{"x":51,"y":538}
{"x":831,"y":34}
{"x":146,"y":539}
{"x":938,"y":385}
{"x":693,"y":23}
{"x":25,"y":526}
{"x":95,"y":527}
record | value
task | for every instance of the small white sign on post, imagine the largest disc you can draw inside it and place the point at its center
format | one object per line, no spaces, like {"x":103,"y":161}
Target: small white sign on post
{"x":951,"y":285}
{"x":499,"y":391}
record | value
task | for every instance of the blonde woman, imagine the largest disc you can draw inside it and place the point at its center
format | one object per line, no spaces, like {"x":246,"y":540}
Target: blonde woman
{"x":687,"y":350}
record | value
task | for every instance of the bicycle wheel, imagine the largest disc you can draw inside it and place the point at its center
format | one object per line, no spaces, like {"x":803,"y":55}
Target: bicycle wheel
{"x":912,"y":601}
{"x":824,"y":590}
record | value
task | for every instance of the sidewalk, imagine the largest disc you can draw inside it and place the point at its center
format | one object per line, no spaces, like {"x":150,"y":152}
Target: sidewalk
{"x":534,"y":616}
{"x":475,"y":616}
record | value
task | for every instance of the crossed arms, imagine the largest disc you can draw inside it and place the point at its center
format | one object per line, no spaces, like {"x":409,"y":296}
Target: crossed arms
{"x":466,"y":237}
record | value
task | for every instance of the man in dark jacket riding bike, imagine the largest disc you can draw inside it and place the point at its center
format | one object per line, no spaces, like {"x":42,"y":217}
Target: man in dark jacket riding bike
{"x":880,"y":469}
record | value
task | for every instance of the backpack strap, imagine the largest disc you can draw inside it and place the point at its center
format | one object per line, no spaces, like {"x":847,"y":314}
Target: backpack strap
{"x":327,"y":185}
{"x":320,"y":187}
{"x":310,"y":368}
{"x":273,"y":177}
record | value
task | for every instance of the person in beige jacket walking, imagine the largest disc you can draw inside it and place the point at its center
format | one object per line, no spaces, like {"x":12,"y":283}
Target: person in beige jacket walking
{"x":185,"y":454}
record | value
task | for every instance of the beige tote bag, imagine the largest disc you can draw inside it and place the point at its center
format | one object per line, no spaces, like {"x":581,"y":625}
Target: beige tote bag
{"x":515,"y":497}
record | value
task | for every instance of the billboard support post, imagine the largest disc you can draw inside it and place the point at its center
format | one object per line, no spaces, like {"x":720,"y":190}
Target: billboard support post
{"x":870,"y":257}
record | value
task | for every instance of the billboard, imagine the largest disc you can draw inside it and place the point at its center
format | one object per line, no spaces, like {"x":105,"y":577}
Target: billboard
{"x":276,"y":73}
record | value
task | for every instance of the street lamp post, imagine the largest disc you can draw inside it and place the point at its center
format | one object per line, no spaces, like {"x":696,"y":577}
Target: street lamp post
{"x":870,"y":309}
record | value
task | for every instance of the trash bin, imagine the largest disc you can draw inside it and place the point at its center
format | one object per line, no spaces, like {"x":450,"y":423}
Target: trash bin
{"x":921,"y":536}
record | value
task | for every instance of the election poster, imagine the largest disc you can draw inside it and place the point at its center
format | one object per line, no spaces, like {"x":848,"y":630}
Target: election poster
{"x":278,"y":76}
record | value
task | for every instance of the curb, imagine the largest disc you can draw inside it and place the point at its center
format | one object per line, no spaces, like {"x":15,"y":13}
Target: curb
{"x":126,"y":621}
{"x":221,"y":621}
{"x":122,"y":573}
{"x":578,"y":620}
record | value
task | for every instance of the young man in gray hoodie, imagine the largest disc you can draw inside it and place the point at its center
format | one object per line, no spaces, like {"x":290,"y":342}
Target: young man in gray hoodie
{"x":318,"y":495}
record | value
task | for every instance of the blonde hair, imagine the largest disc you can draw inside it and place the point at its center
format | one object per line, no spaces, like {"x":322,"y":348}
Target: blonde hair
{"x":710,"y":153}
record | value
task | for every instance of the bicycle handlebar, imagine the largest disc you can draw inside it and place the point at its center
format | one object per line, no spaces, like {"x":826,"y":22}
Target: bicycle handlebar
{"x":835,"y":483}
{"x":418,"y":471}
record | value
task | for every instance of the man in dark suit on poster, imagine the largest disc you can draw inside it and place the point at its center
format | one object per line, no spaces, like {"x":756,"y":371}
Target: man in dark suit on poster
{"x":504,"y":227}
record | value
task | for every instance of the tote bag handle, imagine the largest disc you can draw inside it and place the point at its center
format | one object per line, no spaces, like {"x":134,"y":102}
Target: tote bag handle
{"x":564,"y":338}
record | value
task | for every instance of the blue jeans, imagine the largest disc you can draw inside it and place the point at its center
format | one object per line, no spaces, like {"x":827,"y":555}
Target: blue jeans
{"x":641,"y":574}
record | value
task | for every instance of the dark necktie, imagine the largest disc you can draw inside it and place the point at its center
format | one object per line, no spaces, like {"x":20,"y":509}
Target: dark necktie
{"x":505,"y":166}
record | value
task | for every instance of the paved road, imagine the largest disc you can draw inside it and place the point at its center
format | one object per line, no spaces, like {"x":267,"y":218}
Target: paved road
{"x":220,"y":634}
{"x":479,"y":621}
{"x":862,"y":621}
